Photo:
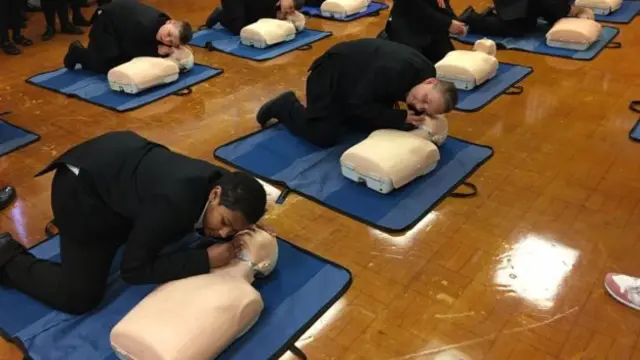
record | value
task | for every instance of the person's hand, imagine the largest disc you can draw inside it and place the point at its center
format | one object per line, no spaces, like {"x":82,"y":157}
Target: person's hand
{"x":457,"y":28}
{"x":222,"y":254}
{"x":413,"y":119}
{"x":442,"y":4}
{"x":164,"y":50}
{"x":586,"y":13}
{"x":287,"y":7}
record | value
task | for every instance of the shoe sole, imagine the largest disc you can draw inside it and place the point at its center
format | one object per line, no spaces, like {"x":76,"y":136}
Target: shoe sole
{"x":621,"y":300}
{"x":267,"y":105}
{"x":10,"y":201}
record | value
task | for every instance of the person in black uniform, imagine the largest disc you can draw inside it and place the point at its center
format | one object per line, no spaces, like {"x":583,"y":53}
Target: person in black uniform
{"x":236,"y":14}
{"x":424,"y":25}
{"x":357,"y":84}
{"x":11,"y":18}
{"x":123,"y":30}
{"x":122,"y":189}
{"x":518,"y":17}
{"x":61,"y":7}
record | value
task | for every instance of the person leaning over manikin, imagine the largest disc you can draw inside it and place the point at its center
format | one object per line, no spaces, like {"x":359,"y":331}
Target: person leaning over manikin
{"x":424,"y":25}
{"x":518,"y":17}
{"x":120,"y":189}
{"x":236,"y":14}
{"x":126,"y":29}
{"x":358,"y":84}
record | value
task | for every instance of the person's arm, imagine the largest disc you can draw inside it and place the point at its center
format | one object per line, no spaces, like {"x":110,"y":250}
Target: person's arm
{"x":430,"y":17}
{"x":381,"y":117}
{"x":160,"y":225}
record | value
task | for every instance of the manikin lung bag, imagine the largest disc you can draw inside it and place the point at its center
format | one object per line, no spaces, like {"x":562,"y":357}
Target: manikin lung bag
{"x":143,"y":73}
{"x":467,"y":69}
{"x":267,"y":32}
{"x":340,"y":9}
{"x":574,"y":33}
{"x":389,"y":159}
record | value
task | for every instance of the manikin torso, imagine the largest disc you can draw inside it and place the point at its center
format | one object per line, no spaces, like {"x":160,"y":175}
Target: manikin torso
{"x":194,"y":318}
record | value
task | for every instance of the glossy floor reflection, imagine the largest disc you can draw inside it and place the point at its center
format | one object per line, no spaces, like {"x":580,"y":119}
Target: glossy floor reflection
{"x":515,"y":273}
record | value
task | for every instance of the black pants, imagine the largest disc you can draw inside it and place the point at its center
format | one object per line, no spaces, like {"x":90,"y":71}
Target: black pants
{"x":10,"y":19}
{"x":102,"y":53}
{"x":90,"y":235}
{"x":51,"y":7}
{"x":320,"y":122}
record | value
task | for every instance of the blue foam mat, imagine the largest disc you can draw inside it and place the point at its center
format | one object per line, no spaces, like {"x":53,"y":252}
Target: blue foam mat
{"x":373,"y":9}
{"x":13,"y":137}
{"x":634,"y":134}
{"x":94,"y":88}
{"x":624,"y":15}
{"x":301,"y":288}
{"x":536,"y":43}
{"x":221,"y":39}
{"x":505,"y":79}
{"x":276,"y":156}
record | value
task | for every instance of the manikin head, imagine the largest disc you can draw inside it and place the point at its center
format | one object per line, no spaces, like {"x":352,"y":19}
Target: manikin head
{"x":259,"y":249}
{"x":183,"y":57}
{"x":175,"y":33}
{"x":432,"y":97}
{"x":235,"y":203}
{"x":486,"y":46}
{"x":297,"y":19}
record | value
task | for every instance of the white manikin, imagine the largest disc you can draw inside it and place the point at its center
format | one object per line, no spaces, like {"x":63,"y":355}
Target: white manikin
{"x":143,"y":73}
{"x":198,"y":317}
{"x":600,"y":7}
{"x":467,"y":69}
{"x":574,"y":33}
{"x":267,"y":32}
{"x":340,"y":9}
{"x":389,"y":159}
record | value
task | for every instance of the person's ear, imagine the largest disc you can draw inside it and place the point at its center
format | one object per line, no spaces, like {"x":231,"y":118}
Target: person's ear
{"x":431,"y":81}
{"x":214,"y":195}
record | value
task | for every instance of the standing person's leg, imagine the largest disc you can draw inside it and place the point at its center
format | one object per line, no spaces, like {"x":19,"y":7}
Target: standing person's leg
{"x":76,"y":14}
{"x":320,"y":122}
{"x":66,"y":27}
{"x":90,"y":234}
{"x":6,"y":44}
{"x":49,"y":11}
{"x":16,"y":22}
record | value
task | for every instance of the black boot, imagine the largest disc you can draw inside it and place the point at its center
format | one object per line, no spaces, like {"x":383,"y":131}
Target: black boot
{"x":71,"y":59}
{"x":49,"y":33}
{"x":71,"y":29}
{"x":9,"y":48}
{"x":213,"y":19}
{"x":8,"y":248}
{"x":7,"y":193}
{"x":271,"y":108}
{"x":21,"y":40}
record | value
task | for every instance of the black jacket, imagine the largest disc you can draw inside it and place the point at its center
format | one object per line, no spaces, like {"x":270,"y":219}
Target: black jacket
{"x":160,"y":192}
{"x":371,"y":76}
{"x":415,"y":22}
{"x":237,"y":14}
{"x":126,"y":29}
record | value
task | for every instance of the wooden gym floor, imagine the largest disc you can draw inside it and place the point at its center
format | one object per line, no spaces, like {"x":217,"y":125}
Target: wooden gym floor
{"x":515,"y":273}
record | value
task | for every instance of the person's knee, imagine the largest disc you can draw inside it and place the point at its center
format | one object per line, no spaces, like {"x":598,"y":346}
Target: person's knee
{"x":323,"y":140}
{"x":78,"y":301}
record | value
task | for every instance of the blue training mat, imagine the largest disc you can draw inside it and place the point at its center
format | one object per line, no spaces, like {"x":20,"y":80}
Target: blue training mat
{"x":221,"y":39}
{"x":294,"y":299}
{"x":536,"y":43}
{"x":94,"y":88}
{"x":502,"y":83}
{"x":624,"y":15}
{"x":373,"y":9}
{"x":634,"y":134}
{"x":277,"y":156}
{"x":13,"y":137}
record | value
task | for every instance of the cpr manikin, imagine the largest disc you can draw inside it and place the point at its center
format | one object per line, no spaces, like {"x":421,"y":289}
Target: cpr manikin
{"x":197,"y":318}
{"x":389,"y":159}
{"x":574,"y":33}
{"x":267,"y":32}
{"x":340,"y":9}
{"x":142,"y":73}
{"x":467,"y":69}
{"x":600,"y":7}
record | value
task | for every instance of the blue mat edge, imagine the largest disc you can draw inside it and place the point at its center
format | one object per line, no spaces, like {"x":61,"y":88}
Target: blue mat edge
{"x":30,"y":81}
{"x":36,"y":139}
{"x":326,"y":34}
{"x":501,"y":48}
{"x":505,"y":90}
{"x":634,"y":106}
{"x":288,"y":345}
{"x":385,"y":6}
{"x":286,"y":189}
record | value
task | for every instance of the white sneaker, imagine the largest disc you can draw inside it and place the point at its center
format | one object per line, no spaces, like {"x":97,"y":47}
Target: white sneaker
{"x":623,"y":288}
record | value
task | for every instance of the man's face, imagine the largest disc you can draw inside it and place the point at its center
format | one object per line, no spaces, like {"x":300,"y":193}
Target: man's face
{"x":219,"y":221}
{"x":169,"y":34}
{"x":424,"y":98}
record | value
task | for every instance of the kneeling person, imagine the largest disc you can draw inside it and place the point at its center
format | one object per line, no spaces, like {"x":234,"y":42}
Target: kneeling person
{"x":236,"y":14}
{"x":358,"y":84}
{"x":126,"y":29}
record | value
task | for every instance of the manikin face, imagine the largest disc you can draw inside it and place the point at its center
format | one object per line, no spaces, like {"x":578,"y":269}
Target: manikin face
{"x":169,"y":34}
{"x":219,"y":221}
{"x":425,"y":99}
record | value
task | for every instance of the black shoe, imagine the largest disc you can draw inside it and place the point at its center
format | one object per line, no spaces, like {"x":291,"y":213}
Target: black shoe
{"x":71,"y":29}
{"x":21,"y":40}
{"x":467,"y":13}
{"x":270,"y":109}
{"x":7,"y":194}
{"x":51,"y":229}
{"x":9,"y":248}
{"x":71,"y":59}
{"x":79,"y":19}
{"x":10,"y":48}
{"x":49,"y":33}
{"x":213,"y":19}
